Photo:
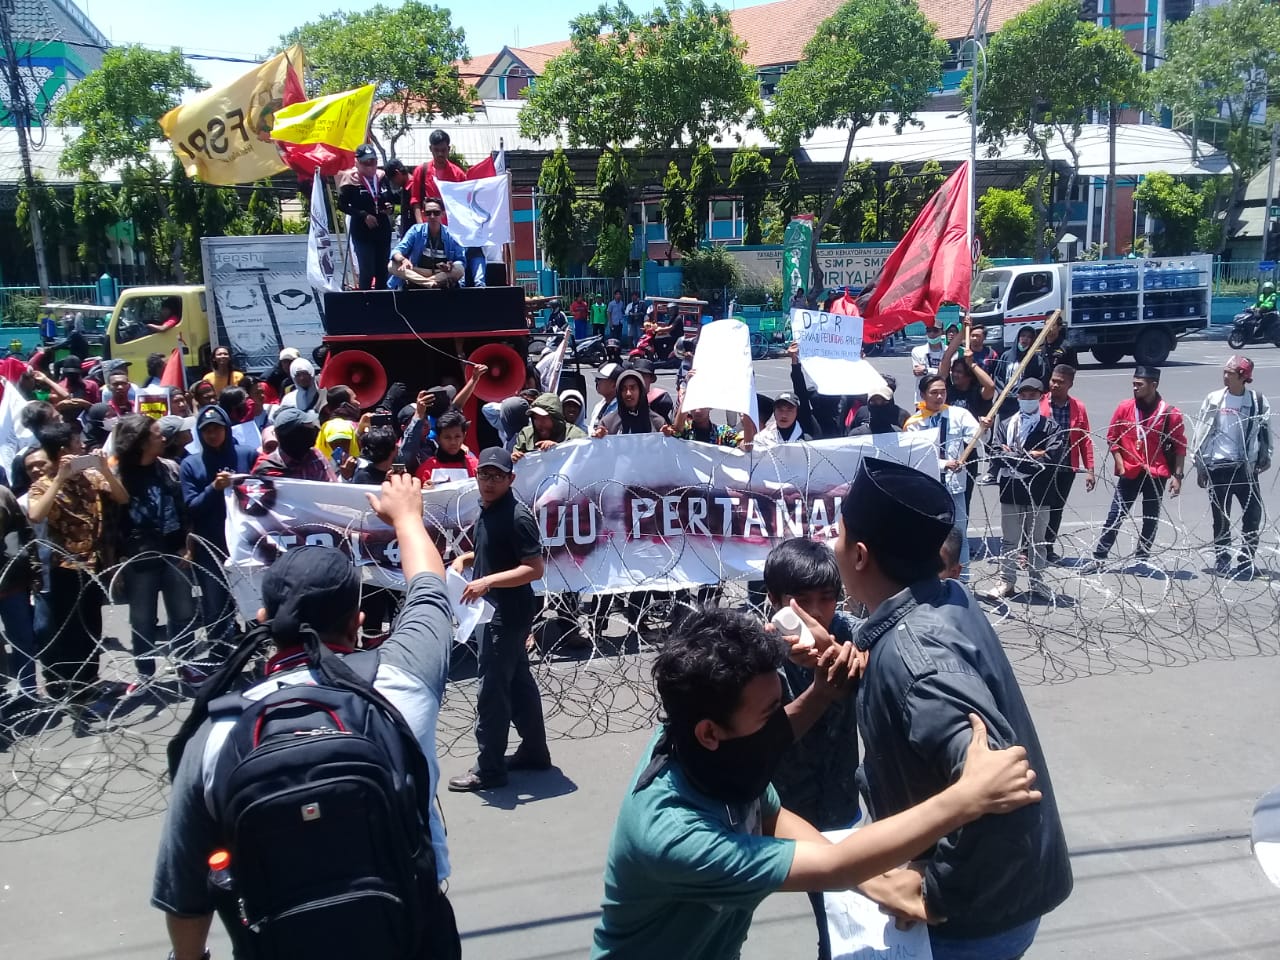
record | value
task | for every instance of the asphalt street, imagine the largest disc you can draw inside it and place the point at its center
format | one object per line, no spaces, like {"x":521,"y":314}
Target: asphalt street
{"x":1153,"y":692}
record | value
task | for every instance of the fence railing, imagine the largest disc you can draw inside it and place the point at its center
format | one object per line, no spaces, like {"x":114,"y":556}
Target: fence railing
{"x":567,"y":288}
{"x":1239,"y":277}
{"x":20,"y":306}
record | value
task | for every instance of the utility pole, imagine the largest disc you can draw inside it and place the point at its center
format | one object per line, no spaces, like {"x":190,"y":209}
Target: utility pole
{"x":1271,"y":191}
{"x":1112,"y":114}
{"x":21,"y":112}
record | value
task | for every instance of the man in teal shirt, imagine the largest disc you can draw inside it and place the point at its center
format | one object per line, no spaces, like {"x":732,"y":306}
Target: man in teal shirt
{"x":702,"y":839}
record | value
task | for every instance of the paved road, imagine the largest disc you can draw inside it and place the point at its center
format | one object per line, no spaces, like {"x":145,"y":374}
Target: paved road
{"x":1154,"y":696}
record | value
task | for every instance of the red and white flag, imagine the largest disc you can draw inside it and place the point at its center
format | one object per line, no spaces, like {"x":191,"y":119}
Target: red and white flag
{"x":930,"y":266}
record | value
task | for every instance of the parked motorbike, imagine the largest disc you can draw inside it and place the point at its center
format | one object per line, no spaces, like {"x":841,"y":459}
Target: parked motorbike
{"x":1254,"y":326}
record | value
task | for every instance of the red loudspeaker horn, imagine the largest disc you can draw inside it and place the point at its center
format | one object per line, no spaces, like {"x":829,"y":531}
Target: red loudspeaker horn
{"x":505,"y":375}
{"x":358,"y":370}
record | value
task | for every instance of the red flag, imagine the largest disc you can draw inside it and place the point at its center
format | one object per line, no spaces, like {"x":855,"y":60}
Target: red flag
{"x":845,"y":305}
{"x":930,"y":266}
{"x":175,"y":371}
{"x":304,"y":158}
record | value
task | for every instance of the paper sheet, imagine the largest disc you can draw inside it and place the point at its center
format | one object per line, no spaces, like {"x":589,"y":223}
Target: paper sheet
{"x":724,"y":378}
{"x":831,"y":353}
{"x":859,"y":931}
{"x":468,"y":615}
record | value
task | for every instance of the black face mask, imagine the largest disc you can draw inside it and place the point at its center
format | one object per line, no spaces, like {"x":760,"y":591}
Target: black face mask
{"x":738,"y":770}
{"x":882,"y":417}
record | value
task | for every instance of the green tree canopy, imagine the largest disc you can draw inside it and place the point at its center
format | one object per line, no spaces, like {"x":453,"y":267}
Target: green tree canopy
{"x":664,"y":79}
{"x":408,"y":52}
{"x":1217,"y":66}
{"x":677,"y":215}
{"x":872,"y":60}
{"x":1046,"y":71}
{"x":556,"y":196}
{"x":749,"y":177}
{"x":1178,"y":209}
{"x":1006,"y":223}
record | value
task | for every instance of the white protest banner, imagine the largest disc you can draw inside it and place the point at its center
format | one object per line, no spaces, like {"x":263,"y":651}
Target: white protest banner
{"x":723,"y":377}
{"x":831,"y":352}
{"x":13,"y":435}
{"x":616,"y":514}
{"x":479,"y":210}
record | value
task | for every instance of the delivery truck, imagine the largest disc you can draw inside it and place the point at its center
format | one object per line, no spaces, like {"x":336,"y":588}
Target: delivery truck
{"x":1112,"y":308}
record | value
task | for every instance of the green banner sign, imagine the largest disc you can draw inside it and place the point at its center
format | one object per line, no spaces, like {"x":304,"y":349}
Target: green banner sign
{"x":797,"y":244}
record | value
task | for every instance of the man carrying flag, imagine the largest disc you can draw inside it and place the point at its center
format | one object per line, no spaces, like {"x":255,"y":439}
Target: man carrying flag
{"x":366,"y":197}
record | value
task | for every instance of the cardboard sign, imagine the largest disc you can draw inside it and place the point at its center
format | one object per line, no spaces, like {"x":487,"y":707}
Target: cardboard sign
{"x":831,"y":352}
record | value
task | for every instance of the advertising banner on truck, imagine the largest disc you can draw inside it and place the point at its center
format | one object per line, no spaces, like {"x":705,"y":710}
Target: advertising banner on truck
{"x":260,"y":298}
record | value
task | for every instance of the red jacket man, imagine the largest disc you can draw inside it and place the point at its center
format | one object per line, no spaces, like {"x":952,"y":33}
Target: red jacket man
{"x":425,"y":177}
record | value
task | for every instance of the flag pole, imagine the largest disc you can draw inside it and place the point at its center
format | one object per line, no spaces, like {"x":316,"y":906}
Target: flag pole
{"x":508,"y":248}
{"x":338,"y":228}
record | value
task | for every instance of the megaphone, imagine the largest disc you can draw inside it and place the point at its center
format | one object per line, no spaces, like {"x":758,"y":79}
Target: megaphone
{"x":358,"y":370}
{"x":505,"y":375}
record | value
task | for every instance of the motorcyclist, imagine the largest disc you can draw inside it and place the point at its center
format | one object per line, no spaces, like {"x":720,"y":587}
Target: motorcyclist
{"x":1266,"y":299}
{"x":1264,"y":311}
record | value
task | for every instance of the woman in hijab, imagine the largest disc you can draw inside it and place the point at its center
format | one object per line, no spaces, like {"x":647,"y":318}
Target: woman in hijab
{"x":633,"y":414}
{"x":305,"y":395}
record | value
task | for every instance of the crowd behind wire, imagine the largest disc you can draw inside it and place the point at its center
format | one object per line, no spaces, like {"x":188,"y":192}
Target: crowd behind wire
{"x":108,"y":505}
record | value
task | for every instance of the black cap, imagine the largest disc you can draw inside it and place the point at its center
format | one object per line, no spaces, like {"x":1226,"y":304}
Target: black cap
{"x":365,"y":152}
{"x":496,"y":457}
{"x":310,"y":586}
{"x":1031,"y":382}
{"x":786,"y":397}
{"x":642,"y":365}
{"x":1145,"y":371}
{"x":395,"y":165}
{"x":609,"y":371}
{"x":891,"y":506}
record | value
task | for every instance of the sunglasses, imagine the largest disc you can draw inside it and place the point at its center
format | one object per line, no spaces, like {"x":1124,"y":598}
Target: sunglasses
{"x":433,"y":213}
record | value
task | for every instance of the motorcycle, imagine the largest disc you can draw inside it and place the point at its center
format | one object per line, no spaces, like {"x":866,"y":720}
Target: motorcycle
{"x":1254,"y":326}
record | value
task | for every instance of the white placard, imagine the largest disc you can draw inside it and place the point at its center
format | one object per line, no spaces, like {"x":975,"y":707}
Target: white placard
{"x":468,"y":615}
{"x":724,"y":378}
{"x":831,"y":353}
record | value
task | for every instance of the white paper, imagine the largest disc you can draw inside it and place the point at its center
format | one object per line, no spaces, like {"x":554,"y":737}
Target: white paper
{"x":724,"y":378}
{"x":860,"y":931}
{"x":468,"y":615}
{"x":441,"y":475}
{"x":247,"y":435}
{"x":831,"y":353}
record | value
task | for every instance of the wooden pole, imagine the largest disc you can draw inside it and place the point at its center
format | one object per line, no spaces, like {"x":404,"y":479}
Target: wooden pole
{"x":1049,"y":326}
{"x":338,"y":224}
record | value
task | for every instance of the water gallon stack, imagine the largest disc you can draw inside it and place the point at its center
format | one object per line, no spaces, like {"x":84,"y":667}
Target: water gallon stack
{"x":1174,"y":289}
{"x":1105,"y":292}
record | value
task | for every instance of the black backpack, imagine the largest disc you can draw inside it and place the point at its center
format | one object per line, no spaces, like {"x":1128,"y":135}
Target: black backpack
{"x":322,"y":796}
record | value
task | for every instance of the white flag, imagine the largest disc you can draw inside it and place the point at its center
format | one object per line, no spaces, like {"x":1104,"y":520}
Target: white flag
{"x":479,"y":210}
{"x":321,"y":256}
{"x":549,"y":366}
{"x":13,"y":435}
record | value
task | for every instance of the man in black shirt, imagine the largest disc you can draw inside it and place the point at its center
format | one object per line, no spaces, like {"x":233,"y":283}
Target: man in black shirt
{"x":366,"y":198}
{"x":506,"y":560}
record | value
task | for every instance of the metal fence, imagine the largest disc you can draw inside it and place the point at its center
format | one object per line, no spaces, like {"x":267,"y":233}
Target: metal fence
{"x":567,"y":288}
{"x":20,"y":306}
{"x":1239,"y":277}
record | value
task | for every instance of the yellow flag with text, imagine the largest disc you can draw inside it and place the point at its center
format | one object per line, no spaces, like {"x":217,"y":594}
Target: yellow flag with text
{"x":340,"y":120}
{"x":223,"y":136}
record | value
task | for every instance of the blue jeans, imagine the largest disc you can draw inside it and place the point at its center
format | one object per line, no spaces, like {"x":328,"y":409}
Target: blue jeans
{"x":1009,"y":945}
{"x":961,"y":521}
{"x":217,"y":609}
{"x":475,"y":267}
{"x":635,"y":330}
{"x":145,"y":582}
{"x":19,"y":627}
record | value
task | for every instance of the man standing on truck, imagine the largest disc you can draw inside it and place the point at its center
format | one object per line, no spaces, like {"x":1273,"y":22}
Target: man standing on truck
{"x":423,"y":187}
{"x":1148,"y":443}
{"x":366,"y":198}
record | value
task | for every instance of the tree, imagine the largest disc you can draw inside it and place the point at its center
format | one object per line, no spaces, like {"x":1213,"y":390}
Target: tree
{"x":95,"y":210}
{"x":613,"y":250}
{"x":1046,"y":71}
{"x":1177,"y":208}
{"x":1219,"y":61}
{"x":407,"y":52}
{"x":1006,"y":223}
{"x":556,"y":196}
{"x":870,"y":60}
{"x":703,"y":181}
{"x":664,"y":79}
{"x":682,"y":229}
{"x":118,"y":109}
{"x":707,"y":273}
{"x":613,"y":243}
{"x":749,"y":178}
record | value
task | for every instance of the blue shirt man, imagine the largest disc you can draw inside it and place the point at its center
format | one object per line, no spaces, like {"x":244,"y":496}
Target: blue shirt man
{"x":429,"y":250}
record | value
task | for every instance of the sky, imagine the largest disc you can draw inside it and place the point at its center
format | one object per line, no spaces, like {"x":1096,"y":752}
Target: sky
{"x":247,"y":28}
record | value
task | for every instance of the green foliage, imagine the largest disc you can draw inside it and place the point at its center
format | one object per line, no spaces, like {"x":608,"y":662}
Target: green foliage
{"x":749,"y":178}
{"x":556,"y":196}
{"x":704,"y":182}
{"x":904,"y":198}
{"x":613,"y":187}
{"x":872,"y":60}
{"x":1178,"y":209}
{"x":613,"y":250}
{"x":1213,"y":60}
{"x":94,"y":207}
{"x":663,"y":79}
{"x":708,"y":272}
{"x":118,"y":107}
{"x":682,"y":228}
{"x":788,"y":200}
{"x":408,"y":52}
{"x":1006,"y":223}
{"x":48,"y":203}
{"x":1046,"y":70}
{"x":263,"y":212}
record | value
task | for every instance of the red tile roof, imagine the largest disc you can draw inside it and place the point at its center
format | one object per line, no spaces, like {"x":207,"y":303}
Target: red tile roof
{"x":776,"y":33}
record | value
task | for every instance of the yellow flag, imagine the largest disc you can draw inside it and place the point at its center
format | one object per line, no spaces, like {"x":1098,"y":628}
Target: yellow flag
{"x":340,"y":120}
{"x":224,"y":136}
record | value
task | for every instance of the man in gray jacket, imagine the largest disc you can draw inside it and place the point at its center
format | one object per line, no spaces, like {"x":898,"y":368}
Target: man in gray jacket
{"x":933,"y":659}
{"x":1230,"y":447}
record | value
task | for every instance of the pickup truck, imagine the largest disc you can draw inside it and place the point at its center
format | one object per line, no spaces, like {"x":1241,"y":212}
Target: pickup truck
{"x":1112,"y":308}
